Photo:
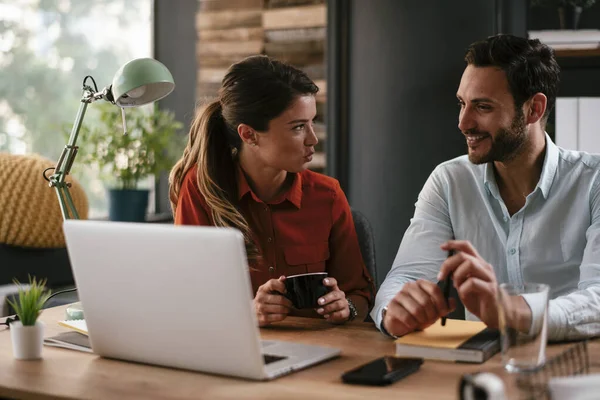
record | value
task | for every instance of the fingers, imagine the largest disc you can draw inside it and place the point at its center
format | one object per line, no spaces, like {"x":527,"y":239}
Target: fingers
{"x":266,"y":319}
{"x":418,"y":305}
{"x":452,"y":302}
{"x":477,"y":288}
{"x":272,"y":298}
{"x":472,"y":268}
{"x":330,"y":308}
{"x":331,"y":283}
{"x":336,"y":312}
{"x":333,"y":306}
{"x":338,"y":316}
{"x":436,"y":296}
{"x":265,"y":308}
{"x":334,"y":295}
{"x":269,"y":304}
{"x":274,"y":285}
{"x":462,"y":265}
{"x":397,"y":320}
{"x":460,"y":246}
{"x":479,"y":297}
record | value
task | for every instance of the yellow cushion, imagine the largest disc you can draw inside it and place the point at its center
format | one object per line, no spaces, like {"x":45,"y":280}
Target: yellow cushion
{"x":29,"y":211}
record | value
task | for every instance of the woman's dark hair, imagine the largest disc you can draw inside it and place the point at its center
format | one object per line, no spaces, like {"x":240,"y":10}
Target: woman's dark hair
{"x":529,"y":65}
{"x":253,"y":92}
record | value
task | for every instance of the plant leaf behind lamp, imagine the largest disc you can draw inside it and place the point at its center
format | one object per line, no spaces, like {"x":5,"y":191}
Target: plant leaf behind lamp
{"x":138,"y":82}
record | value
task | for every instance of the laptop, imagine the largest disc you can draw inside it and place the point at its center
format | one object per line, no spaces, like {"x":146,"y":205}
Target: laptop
{"x":176,"y":296}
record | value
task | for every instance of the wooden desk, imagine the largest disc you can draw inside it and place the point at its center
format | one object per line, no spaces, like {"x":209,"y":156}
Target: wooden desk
{"x":75,"y":375}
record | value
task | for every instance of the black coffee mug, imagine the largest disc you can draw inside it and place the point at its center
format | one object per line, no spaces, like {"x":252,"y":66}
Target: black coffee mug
{"x":304,"y":290}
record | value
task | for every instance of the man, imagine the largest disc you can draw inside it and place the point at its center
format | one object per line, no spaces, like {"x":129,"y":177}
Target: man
{"x":517,"y":209}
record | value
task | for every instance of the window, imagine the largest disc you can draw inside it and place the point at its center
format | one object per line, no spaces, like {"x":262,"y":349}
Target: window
{"x":47,"y":47}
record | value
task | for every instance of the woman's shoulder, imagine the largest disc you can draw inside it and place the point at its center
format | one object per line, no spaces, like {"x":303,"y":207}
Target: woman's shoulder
{"x":189,"y":185}
{"x":317,"y":181}
{"x":317,"y":185}
{"x":190,"y":175}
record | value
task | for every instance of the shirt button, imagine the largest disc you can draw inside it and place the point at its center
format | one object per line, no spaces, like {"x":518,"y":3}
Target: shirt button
{"x":505,"y":219}
{"x":266,"y":208}
{"x":270,"y":239}
{"x":513,"y":251}
{"x":271,"y":270}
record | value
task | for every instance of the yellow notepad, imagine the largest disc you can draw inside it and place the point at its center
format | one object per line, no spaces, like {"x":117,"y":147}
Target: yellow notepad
{"x":451,"y":336}
{"x":78,"y":325}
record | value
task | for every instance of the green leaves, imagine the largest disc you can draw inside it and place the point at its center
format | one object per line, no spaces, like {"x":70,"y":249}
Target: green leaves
{"x":31,"y":301}
{"x":152,"y":144}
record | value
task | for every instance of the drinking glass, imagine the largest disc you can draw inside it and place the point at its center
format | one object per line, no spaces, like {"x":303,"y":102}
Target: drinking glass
{"x":523,"y":346}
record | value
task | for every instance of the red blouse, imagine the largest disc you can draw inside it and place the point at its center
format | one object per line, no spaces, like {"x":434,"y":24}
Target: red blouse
{"x":307,"y":229}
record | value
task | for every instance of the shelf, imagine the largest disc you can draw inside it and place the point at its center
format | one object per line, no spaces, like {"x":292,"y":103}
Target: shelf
{"x":577,"y":52}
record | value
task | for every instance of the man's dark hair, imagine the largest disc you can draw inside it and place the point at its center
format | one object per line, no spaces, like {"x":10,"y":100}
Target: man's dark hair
{"x":529,"y":65}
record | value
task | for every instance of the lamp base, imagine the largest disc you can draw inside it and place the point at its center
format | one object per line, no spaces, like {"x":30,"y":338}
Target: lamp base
{"x":74,"y":311}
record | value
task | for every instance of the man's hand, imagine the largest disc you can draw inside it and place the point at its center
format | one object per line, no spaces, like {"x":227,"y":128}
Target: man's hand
{"x":416,"y":306}
{"x":269,"y":303}
{"x":474,"y":279}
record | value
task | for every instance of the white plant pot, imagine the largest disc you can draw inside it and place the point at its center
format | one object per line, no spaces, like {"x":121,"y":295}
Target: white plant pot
{"x":27,"y":341}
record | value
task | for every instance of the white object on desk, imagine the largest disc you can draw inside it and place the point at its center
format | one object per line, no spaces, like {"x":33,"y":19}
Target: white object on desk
{"x":27,"y":340}
{"x":472,"y":386}
{"x":78,"y":325}
{"x":582,"y":387}
{"x":195,"y":279}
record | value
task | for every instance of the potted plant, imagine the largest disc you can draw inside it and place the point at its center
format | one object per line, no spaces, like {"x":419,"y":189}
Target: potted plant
{"x":569,"y":11}
{"x":27,"y":334}
{"x":150,"y":146}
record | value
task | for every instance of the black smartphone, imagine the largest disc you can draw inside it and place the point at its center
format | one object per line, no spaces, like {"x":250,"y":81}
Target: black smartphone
{"x":383,"y":371}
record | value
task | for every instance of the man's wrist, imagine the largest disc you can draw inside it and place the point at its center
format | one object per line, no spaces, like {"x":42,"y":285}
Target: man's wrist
{"x":382,"y":325}
{"x":522,"y":317}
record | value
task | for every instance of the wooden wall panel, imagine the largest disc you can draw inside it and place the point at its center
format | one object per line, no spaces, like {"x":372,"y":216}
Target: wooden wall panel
{"x":292,"y":31}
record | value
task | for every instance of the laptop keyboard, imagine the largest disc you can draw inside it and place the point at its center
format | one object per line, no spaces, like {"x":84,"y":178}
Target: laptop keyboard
{"x":271,"y":358}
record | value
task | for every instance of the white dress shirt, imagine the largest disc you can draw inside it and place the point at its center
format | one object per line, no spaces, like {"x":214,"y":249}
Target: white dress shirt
{"x":553,"y":239}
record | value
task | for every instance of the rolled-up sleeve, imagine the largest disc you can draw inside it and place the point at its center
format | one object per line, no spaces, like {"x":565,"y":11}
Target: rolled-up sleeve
{"x":577,"y":314}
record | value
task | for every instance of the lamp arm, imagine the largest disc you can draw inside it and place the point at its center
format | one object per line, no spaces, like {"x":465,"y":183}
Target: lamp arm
{"x":65,"y":161}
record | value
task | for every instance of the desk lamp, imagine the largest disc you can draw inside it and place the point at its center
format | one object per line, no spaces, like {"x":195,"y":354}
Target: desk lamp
{"x":138,"y":82}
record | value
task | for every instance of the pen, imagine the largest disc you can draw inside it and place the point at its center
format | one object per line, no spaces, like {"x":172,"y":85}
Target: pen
{"x":447,"y":284}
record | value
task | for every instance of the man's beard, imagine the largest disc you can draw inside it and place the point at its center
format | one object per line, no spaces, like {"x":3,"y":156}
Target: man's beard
{"x":506,"y":143}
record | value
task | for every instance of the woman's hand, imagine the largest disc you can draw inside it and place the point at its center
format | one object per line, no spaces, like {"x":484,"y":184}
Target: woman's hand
{"x":269,"y":303}
{"x":334,"y":306}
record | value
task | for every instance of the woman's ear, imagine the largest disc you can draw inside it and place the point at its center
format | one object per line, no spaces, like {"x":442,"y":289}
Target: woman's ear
{"x":247,"y":134}
{"x":536,"y":109}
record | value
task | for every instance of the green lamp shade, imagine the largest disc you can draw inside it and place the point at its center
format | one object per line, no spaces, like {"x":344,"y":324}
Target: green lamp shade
{"x":141,"y":81}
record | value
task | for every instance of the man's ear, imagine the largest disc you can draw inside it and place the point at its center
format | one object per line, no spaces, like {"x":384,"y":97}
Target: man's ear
{"x":247,"y":134}
{"x":535,"y":108}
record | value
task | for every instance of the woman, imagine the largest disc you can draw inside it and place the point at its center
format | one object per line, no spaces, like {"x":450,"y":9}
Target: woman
{"x":245,"y":167}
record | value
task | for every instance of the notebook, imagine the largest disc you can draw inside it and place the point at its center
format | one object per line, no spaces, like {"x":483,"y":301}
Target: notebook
{"x":465,"y":341}
{"x":78,"y":325}
{"x":70,"y":340}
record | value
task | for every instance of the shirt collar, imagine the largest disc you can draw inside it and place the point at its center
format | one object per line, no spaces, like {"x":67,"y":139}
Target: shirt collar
{"x":548,"y":171}
{"x":549,"y":168}
{"x":293,"y":194}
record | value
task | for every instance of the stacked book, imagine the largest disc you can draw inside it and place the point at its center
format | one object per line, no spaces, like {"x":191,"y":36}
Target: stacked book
{"x":568,"y":39}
